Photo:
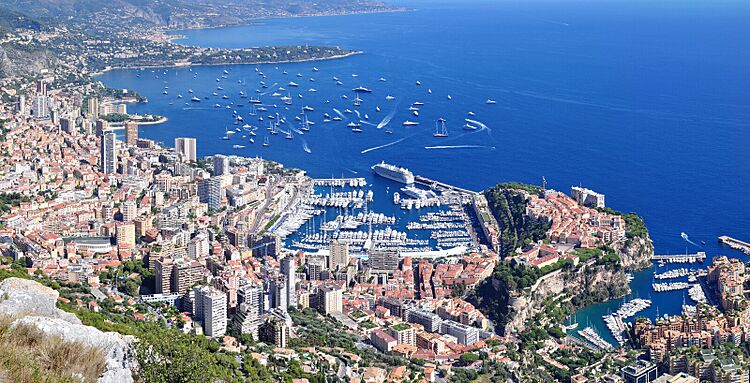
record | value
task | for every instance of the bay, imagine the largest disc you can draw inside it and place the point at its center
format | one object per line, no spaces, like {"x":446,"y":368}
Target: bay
{"x":647,"y":102}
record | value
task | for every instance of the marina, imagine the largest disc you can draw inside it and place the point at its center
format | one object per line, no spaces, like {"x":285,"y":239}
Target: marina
{"x":616,"y":322}
{"x":669,"y":286}
{"x":674,"y":273}
{"x":681,"y":258}
{"x":342,"y":209}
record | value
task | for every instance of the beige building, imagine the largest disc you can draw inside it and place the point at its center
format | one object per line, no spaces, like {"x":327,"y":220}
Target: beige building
{"x":329,"y":299}
{"x":131,"y":133}
{"x":339,"y":256}
{"x":125,"y":234}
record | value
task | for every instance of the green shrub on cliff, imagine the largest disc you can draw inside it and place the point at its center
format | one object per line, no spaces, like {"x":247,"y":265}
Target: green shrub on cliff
{"x":634,"y":224}
{"x":508,"y":206}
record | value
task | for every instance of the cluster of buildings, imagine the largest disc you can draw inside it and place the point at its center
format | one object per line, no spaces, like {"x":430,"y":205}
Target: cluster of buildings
{"x":694,"y":344}
{"x":728,"y":278}
{"x":574,"y":221}
{"x":708,"y":328}
{"x":92,"y":195}
{"x":708,"y":368}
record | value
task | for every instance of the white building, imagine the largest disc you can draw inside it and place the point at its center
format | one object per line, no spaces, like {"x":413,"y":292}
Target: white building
{"x":209,"y":192}
{"x":289,"y":269}
{"x":587,"y":197}
{"x":210,"y":309}
{"x":198,"y":246}
{"x":41,"y":107}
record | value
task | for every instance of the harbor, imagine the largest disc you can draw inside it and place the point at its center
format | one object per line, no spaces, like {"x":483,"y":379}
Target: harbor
{"x":433,"y":221}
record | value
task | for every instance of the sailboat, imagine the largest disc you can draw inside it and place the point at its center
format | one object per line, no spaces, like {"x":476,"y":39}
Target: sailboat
{"x":440,"y":129}
{"x":265,"y":142}
{"x":305,"y":123}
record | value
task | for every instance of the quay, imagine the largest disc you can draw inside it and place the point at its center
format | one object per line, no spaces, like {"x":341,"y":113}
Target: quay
{"x":437,"y":184}
{"x":681,"y":258}
{"x":340,"y":182}
{"x":735,"y":244}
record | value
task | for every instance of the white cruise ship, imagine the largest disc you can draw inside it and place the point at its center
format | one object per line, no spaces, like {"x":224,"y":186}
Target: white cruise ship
{"x":394,"y":173}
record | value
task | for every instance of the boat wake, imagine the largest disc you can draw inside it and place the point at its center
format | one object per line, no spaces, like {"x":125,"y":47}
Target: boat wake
{"x":479,"y":124}
{"x":460,"y":147}
{"x":386,"y":145}
{"x":387,"y":119}
{"x":271,"y":89}
{"x":340,"y":114}
{"x":305,"y":147}
{"x":687,"y":239}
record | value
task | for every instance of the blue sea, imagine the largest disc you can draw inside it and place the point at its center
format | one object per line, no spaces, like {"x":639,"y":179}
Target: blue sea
{"x":647,"y":102}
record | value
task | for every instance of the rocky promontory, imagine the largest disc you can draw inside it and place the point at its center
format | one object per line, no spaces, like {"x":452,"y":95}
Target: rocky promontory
{"x":29,"y":303}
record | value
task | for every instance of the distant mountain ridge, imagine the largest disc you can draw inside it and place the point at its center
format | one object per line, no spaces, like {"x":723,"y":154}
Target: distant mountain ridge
{"x":102,"y":14}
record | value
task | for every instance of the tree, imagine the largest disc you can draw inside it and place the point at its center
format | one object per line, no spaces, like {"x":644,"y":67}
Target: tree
{"x":168,"y":355}
{"x":469,"y":357}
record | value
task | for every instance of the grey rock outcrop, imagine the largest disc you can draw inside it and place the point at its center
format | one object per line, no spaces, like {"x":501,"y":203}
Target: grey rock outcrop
{"x":21,"y":297}
{"x":34,"y":304}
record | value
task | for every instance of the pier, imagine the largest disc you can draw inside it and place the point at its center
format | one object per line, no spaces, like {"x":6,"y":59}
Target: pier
{"x":735,"y":244}
{"x":681,"y":258}
{"x":340,"y":182}
{"x":437,"y":184}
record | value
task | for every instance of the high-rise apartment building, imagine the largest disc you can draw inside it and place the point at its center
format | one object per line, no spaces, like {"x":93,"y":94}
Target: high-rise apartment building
{"x":163,"y":275}
{"x":383,"y":260}
{"x":329,"y":299}
{"x":129,"y":211}
{"x":186,"y":148}
{"x":221,"y":165}
{"x":125,"y":234}
{"x":210,"y":309}
{"x":108,"y":153}
{"x":92,"y":111}
{"x":131,"y":133}
{"x":289,"y":270}
{"x":41,"y":107}
{"x":275,"y":331}
{"x":185,"y":274}
{"x":209,"y":192}
{"x":339,"y":255}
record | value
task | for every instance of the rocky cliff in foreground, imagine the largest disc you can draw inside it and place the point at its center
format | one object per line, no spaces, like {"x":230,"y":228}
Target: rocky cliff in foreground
{"x":31,"y":304}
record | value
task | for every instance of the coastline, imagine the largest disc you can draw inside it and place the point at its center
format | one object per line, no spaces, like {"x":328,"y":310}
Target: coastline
{"x":190,"y":64}
{"x":258,"y":21}
{"x":157,"y":122}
